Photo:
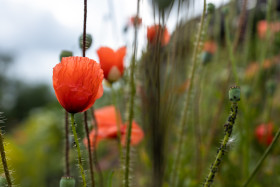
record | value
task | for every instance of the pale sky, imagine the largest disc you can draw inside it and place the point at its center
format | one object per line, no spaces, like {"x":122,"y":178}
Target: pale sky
{"x":37,"y":30}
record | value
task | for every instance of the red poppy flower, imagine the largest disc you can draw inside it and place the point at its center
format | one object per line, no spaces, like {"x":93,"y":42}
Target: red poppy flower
{"x":210,"y":46}
{"x":112,"y":62}
{"x":77,"y":82}
{"x":106,"y":118}
{"x":135,"y":21}
{"x":154,"y":31}
{"x":264,"y":133}
{"x":263,"y":26}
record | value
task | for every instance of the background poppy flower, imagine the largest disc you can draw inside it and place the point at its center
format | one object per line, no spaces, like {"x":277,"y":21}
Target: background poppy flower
{"x":77,"y":82}
{"x":136,"y":21}
{"x":152,"y":35}
{"x":106,"y":118}
{"x":112,"y":62}
{"x":264,"y":133}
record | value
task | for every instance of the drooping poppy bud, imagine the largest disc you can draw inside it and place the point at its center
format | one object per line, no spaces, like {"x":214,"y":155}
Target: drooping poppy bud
{"x":210,"y":8}
{"x":67,"y":182}
{"x":112,"y":62}
{"x":264,"y":133}
{"x":88,"y":41}
{"x":153,"y":34}
{"x":65,"y":53}
{"x":77,"y":82}
{"x":271,"y":86}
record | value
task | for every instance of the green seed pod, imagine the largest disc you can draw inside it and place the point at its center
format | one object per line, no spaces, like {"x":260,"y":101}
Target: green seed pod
{"x":65,"y":53}
{"x":88,"y":41}
{"x":206,"y":57}
{"x":210,"y":8}
{"x":271,"y":86}
{"x":3,"y":181}
{"x":67,"y":182}
{"x":234,"y":94}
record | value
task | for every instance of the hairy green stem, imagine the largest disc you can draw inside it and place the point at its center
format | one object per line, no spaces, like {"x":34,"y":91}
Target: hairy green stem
{"x":78,"y":150}
{"x":67,"y":170}
{"x":221,"y":151}
{"x":89,"y":150}
{"x":4,"y":161}
{"x":131,"y":111}
{"x":185,"y":110}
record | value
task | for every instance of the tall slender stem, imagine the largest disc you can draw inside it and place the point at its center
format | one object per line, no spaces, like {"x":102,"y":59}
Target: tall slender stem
{"x":89,"y":150}
{"x":267,"y":151}
{"x":78,"y":150}
{"x":221,"y":151}
{"x":186,"y":105}
{"x":85,"y":28}
{"x":67,"y":170}
{"x":131,"y":111}
{"x":4,"y":161}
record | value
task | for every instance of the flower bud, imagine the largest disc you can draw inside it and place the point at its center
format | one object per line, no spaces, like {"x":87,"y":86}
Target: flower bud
{"x":206,"y":57}
{"x":210,"y":8}
{"x":65,"y":53}
{"x":271,"y":87}
{"x":67,"y":182}
{"x":234,"y":94}
{"x":88,"y":41}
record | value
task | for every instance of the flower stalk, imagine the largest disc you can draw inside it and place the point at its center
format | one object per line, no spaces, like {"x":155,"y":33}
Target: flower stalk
{"x":4,"y":161}
{"x":67,"y":170}
{"x":234,"y":95}
{"x":78,"y":150}
{"x":131,"y":111}
{"x":187,"y":101}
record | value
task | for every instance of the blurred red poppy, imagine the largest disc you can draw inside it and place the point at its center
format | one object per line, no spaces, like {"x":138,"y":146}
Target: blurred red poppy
{"x":135,"y":21}
{"x":107,"y":118}
{"x":210,"y":46}
{"x":263,"y":26}
{"x":264,"y":133}
{"x":77,"y":82}
{"x":112,"y":62}
{"x":154,"y":31}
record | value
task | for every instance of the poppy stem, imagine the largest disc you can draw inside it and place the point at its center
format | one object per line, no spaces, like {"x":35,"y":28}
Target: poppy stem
{"x":67,"y":170}
{"x":78,"y":150}
{"x":221,"y":151}
{"x":4,"y":161}
{"x":85,"y":28}
{"x":184,"y":116}
{"x":95,"y":158}
{"x":118,"y":119}
{"x":267,"y":151}
{"x":89,"y":150}
{"x":131,"y":111}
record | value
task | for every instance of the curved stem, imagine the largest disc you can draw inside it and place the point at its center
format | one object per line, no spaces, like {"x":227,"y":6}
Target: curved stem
{"x":67,"y":170}
{"x":186,"y":105}
{"x":267,"y":151}
{"x":4,"y":161}
{"x":78,"y":150}
{"x":85,"y":28}
{"x":89,"y":150}
{"x":131,"y":111}
{"x":95,"y":157}
{"x":221,"y":151}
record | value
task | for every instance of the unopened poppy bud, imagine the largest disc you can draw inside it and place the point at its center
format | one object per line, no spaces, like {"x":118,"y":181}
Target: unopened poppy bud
{"x":67,"y":182}
{"x":3,"y":181}
{"x":88,"y":41}
{"x":65,"y":53}
{"x":211,"y":8}
{"x":206,"y":57}
{"x":234,"y":94}
{"x":163,"y":4}
{"x":247,"y":90}
{"x":271,"y":87}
